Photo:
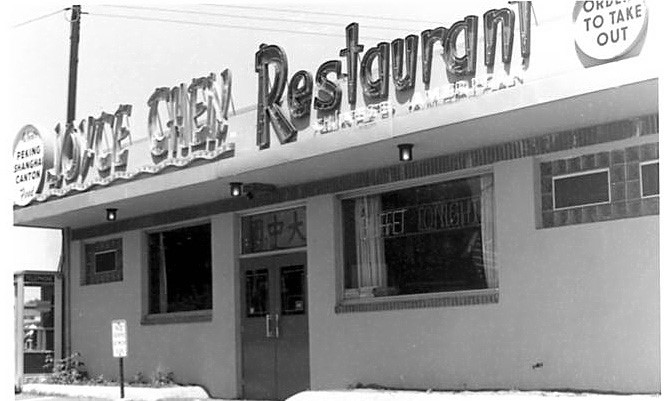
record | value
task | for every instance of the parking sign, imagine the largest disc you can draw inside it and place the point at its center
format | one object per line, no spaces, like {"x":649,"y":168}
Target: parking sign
{"x":119,"y":338}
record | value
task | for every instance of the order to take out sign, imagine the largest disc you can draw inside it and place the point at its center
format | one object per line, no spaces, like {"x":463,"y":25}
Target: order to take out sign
{"x":119,"y":338}
{"x":605,"y":30}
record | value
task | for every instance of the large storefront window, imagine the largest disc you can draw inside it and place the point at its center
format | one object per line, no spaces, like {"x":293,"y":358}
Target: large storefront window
{"x":427,"y":239}
{"x":180,"y":270}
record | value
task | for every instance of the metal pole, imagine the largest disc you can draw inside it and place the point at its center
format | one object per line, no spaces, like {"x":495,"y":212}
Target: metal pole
{"x":18,"y":331}
{"x":66,"y":272}
{"x":74,"y":59}
{"x":121,"y":375}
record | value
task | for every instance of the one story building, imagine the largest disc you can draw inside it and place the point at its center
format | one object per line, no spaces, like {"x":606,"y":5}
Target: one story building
{"x":474,"y":206}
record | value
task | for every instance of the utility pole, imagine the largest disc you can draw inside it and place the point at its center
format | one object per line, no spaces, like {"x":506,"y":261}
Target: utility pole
{"x":66,"y":268}
{"x":74,"y":59}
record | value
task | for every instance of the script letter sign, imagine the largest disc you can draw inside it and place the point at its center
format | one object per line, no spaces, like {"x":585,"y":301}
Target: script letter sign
{"x":119,"y":338}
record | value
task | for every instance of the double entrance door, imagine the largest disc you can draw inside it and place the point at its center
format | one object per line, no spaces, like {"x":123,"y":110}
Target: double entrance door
{"x":275,"y":346}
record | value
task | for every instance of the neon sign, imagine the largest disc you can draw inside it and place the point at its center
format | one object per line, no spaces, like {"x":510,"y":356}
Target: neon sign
{"x":395,"y":62}
{"x":102,"y":142}
{"x":196,"y":117}
{"x":186,"y":123}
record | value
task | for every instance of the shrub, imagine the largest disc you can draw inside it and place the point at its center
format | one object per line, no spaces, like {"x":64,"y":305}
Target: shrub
{"x":69,"y":370}
{"x":138,"y":379}
{"x":72,"y":370}
{"x":162,"y":379}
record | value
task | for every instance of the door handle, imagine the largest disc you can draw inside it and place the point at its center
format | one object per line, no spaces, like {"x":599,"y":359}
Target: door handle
{"x":277,"y":326}
{"x":268,"y":333}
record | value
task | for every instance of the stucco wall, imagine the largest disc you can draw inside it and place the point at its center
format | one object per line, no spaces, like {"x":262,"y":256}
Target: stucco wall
{"x":200,"y":353}
{"x":583,"y":300}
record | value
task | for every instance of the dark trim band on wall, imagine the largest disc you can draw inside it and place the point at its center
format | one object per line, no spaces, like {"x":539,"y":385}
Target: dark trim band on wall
{"x":624,"y":186}
{"x":534,"y":146}
{"x":421,"y":303}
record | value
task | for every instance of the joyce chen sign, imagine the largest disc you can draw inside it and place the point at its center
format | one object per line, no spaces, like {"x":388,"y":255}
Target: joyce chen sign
{"x":186,"y":123}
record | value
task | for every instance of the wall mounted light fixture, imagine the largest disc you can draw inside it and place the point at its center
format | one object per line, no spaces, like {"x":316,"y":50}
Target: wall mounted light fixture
{"x":111,"y":214}
{"x":236,"y":189}
{"x":405,"y":152}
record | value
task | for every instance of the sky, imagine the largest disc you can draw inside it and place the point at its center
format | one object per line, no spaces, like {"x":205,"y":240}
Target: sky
{"x":129,"y":49}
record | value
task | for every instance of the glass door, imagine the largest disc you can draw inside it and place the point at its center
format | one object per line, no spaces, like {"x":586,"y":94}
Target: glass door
{"x":275,"y":346}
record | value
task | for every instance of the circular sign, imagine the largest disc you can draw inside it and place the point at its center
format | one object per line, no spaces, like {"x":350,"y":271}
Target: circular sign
{"x":608,"y":29}
{"x":29,"y":165}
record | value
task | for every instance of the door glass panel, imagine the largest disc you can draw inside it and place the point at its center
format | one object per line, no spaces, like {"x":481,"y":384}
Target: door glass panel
{"x":293,"y":278}
{"x":257,"y":292}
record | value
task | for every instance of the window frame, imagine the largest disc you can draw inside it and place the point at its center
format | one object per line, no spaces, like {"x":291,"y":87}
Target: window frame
{"x":409,"y":301}
{"x":640,"y":175}
{"x":195,"y":316}
{"x":95,"y":265}
{"x":89,"y":274}
{"x":576,"y":174}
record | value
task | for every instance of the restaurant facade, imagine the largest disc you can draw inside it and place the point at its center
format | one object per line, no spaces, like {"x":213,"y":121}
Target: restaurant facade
{"x":473,"y":206}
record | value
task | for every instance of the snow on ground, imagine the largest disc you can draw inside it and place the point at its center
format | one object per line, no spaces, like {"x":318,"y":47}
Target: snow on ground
{"x":195,"y":393}
{"x":393,"y":395}
{"x":112,"y":392}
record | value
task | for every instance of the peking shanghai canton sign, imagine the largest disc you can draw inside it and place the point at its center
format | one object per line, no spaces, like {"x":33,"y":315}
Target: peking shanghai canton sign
{"x":29,"y":157}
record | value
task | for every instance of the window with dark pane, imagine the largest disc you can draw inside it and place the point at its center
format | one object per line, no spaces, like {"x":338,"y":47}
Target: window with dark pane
{"x":256,"y":283}
{"x":425,"y":239}
{"x":650,"y":179}
{"x":180,"y":270}
{"x":293,"y":286}
{"x":581,"y":189}
{"x":105,"y":261}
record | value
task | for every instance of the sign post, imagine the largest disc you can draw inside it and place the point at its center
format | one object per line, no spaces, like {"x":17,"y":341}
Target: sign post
{"x":120,"y":346}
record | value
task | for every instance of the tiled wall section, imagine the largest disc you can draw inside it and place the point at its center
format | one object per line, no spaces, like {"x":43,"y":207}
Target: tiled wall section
{"x":420,"y":303}
{"x":625,"y":186}
{"x":534,"y":146}
{"x":89,"y":275}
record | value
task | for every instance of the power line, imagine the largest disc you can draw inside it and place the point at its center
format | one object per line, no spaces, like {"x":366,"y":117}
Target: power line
{"x":211,"y":24}
{"x":326,"y":13}
{"x":39,"y":18}
{"x":337,"y":24}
